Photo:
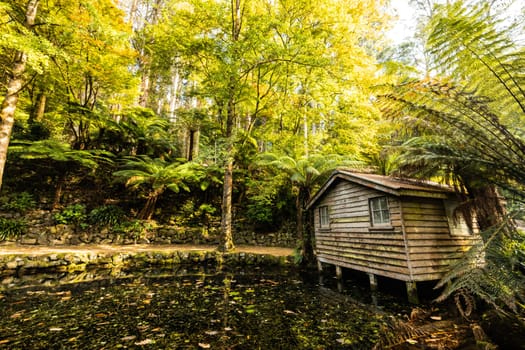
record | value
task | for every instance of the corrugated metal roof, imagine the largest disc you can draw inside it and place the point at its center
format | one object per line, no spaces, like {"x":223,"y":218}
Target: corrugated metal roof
{"x":397,"y":183}
{"x":388,"y":184}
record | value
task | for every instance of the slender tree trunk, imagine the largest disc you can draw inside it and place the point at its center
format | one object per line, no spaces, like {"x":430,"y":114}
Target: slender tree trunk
{"x":299,"y":220}
{"x":59,"y":189}
{"x":226,"y":242}
{"x":7,"y":115}
{"x":305,"y":134}
{"x":133,"y":11}
{"x":144,"y":88}
{"x":39,"y":109}
{"x":304,"y":233}
{"x":191,"y":144}
{"x":146,"y":213}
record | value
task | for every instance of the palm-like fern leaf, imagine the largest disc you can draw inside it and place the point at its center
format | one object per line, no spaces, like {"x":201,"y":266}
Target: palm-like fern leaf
{"x":467,"y":127}
{"x":469,"y":44}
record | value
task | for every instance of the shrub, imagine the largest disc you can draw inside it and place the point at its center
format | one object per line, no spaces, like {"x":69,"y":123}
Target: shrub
{"x":135,"y":228}
{"x":11,"y":228}
{"x":106,"y":215}
{"x":19,"y":202}
{"x":260,"y":209}
{"x":72,"y":214}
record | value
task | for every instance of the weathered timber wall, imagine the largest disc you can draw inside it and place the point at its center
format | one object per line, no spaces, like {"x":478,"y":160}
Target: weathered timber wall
{"x":430,"y":245}
{"x":418,"y":246}
{"x":351,"y":242}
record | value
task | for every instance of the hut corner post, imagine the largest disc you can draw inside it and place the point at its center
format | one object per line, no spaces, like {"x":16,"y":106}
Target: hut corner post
{"x":412,"y":292}
{"x":373,"y":282}
{"x":338,"y":272}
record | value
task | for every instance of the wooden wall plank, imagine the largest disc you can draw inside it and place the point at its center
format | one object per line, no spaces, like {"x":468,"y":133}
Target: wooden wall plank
{"x":351,"y":242}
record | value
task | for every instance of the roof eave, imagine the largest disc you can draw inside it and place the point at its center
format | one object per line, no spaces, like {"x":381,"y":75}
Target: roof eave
{"x":423,"y":194}
{"x":398,"y":192}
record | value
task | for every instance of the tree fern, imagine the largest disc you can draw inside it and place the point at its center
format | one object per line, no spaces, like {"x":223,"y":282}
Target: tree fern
{"x":490,"y":271}
{"x":156,"y":176}
{"x":465,"y":125}
{"x":469,"y":45}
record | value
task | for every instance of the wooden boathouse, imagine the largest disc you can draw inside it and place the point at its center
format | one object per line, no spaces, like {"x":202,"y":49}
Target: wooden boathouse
{"x":398,"y":228}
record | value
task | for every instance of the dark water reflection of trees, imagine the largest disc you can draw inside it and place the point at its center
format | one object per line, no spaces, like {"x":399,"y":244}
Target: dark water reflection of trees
{"x":184,"y":309}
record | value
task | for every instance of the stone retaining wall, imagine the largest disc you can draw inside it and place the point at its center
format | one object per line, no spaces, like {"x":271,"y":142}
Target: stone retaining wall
{"x":16,"y":266}
{"x":41,"y":230}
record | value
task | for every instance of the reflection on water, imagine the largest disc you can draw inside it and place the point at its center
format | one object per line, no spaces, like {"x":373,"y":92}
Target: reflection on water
{"x":185,"y":308}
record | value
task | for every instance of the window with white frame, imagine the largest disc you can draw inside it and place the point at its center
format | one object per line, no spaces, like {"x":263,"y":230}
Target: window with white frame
{"x":456,"y":223}
{"x":324,"y":219}
{"x":379,"y":213}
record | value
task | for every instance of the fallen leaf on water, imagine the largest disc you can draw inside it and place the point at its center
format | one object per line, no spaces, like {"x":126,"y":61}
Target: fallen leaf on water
{"x":129,"y":337}
{"x":145,"y":342}
{"x":67,"y":292}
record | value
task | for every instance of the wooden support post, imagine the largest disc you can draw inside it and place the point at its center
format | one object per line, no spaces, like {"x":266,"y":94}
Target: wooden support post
{"x":373,"y":282}
{"x":340,"y":286}
{"x":412,"y":293}
{"x":320,"y":269}
{"x":339,"y":276}
{"x":338,"y":272}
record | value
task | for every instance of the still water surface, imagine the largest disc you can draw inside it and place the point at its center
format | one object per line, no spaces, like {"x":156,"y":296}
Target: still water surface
{"x":187,"y":308}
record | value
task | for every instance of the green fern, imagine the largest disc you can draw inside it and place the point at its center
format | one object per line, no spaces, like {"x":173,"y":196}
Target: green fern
{"x":155,"y":176}
{"x":12,"y":228}
{"x":491,"y":271}
{"x":465,"y":126}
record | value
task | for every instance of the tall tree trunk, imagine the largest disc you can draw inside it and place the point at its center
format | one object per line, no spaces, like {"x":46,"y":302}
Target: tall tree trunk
{"x":191,"y":144}
{"x":226,"y":241}
{"x":299,"y":220}
{"x":133,"y":11}
{"x":37,"y":114}
{"x":144,"y":88}
{"x":304,"y":233}
{"x":59,"y":189}
{"x":7,"y":115}
{"x":146,"y":213}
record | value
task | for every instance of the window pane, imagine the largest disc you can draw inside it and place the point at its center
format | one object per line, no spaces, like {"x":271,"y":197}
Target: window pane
{"x":382,"y":203}
{"x":379,"y":210}
{"x":323,"y":216}
{"x":377,"y":217}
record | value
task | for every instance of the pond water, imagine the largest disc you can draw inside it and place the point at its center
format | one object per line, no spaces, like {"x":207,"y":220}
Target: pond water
{"x":187,"y":308}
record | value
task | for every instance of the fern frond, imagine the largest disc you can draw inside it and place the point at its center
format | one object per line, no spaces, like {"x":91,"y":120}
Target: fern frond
{"x":489,"y":272}
{"x":468,"y":44}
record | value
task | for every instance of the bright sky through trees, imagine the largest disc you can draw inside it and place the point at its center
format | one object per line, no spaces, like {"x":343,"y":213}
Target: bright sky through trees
{"x":405,"y":23}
